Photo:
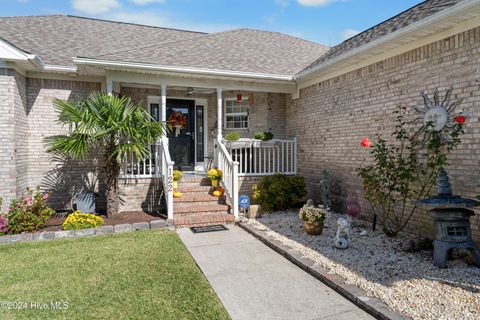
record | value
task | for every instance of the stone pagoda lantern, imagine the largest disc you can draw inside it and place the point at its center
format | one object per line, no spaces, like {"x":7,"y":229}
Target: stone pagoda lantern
{"x":451,"y":215}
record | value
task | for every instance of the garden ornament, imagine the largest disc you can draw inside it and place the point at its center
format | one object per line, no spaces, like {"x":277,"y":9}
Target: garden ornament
{"x":325,"y":189}
{"x":343,"y":233}
{"x":441,"y":115}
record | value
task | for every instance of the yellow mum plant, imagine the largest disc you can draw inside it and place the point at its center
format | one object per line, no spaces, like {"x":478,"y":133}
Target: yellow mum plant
{"x":77,"y":220}
{"x":215,"y":174}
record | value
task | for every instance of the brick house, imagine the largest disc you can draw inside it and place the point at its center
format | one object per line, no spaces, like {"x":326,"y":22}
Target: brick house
{"x":317,"y":101}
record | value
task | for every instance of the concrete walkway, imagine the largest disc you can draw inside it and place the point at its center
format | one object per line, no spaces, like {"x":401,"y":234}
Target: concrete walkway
{"x":255,"y":282}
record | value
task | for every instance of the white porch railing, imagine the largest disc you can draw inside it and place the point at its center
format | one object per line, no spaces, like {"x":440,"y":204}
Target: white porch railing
{"x":167,"y":176}
{"x":157,"y":164}
{"x":263,"y":158}
{"x":230,"y":175}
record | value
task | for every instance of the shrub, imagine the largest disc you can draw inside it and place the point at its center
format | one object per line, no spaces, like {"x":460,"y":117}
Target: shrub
{"x":3,"y":224}
{"x":232,"y":136}
{"x":177,"y":175}
{"x":264,"y":136}
{"x":279,"y":192}
{"x":405,"y":171}
{"x":215,"y":174}
{"x":312,"y":214}
{"x":77,"y":220}
{"x":3,"y":221}
{"x":30,"y":213}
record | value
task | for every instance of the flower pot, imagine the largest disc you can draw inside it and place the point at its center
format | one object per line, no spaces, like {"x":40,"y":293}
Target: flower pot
{"x":175,"y":185}
{"x":214,"y":183}
{"x":313,"y":228}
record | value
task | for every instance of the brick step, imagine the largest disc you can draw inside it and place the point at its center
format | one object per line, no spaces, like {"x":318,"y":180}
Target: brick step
{"x":199,"y":208}
{"x":195,"y":179}
{"x":198,"y":197}
{"x":203,"y":219}
{"x":183,"y":188}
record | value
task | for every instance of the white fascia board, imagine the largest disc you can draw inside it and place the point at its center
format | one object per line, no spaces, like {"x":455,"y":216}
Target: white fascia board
{"x":462,"y":7}
{"x":187,"y":70}
{"x":57,"y":68}
{"x":9,"y":52}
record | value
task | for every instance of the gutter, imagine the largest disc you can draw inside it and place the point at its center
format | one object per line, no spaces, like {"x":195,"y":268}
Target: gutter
{"x":459,"y":8}
{"x":187,"y":70}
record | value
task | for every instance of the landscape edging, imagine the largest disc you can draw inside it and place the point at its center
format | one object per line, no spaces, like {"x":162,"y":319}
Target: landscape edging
{"x":372,"y":305}
{"x":63,"y":234}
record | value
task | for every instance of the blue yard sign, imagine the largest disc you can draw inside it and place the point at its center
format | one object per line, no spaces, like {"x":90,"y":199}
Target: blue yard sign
{"x":244,"y":201}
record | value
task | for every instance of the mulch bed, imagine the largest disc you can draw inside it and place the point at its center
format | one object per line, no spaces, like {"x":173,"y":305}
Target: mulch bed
{"x":55,"y":223}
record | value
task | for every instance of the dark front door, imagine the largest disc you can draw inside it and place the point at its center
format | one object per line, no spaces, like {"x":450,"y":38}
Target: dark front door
{"x":181,"y":120}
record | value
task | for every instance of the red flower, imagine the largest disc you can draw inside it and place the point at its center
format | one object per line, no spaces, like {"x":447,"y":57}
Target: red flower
{"x":460,"y":119}
{"x":366,"y":143}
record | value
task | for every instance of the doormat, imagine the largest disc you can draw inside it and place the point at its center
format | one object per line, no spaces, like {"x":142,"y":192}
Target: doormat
{"x":214,"y":228}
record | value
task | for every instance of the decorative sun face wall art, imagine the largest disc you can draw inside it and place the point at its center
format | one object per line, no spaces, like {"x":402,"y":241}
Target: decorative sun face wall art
{"x":441,"y":115}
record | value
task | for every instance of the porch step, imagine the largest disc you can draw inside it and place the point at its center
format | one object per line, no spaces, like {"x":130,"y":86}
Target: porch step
{"x":195,"y":188}
{"x":198,"y":198}
{"x":195,"y":179}
{"x":190,"y":220}
{"x":199,"y":209}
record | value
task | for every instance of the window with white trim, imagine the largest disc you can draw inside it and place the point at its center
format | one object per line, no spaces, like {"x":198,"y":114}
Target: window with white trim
{"x":236,"y":113}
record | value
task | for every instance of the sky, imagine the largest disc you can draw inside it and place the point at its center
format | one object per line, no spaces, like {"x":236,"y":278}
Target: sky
{"x":328,"y":22}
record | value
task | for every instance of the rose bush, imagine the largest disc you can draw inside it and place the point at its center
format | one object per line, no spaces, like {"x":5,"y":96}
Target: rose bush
{"x":29,"y":213}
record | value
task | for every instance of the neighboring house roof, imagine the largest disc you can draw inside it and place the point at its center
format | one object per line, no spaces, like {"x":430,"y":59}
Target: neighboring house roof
{"x":56,"y":39}
{"x":408,"y":17}
{"x":235,"y":50}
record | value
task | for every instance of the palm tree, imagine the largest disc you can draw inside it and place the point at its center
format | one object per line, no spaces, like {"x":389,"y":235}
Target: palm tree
{"x":107,"y":124}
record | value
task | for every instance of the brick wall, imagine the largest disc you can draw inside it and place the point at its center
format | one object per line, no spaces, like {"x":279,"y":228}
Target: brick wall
{"x":245,"y":185}
{"x":141,"y":195}
{"x":331,"y":117}
{"x":63,"y":178}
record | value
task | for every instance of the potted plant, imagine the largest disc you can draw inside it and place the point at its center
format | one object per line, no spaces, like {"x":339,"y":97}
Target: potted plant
{"x":313,"y":219}
{"x":215,"y":175}
{"x":177,"y":176}
{"x":232,"y":136}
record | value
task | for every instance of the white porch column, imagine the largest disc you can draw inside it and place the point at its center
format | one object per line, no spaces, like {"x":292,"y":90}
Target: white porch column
{"x":219,"y":114}
{"x":109,"y":86}
{"x":163,"y":109}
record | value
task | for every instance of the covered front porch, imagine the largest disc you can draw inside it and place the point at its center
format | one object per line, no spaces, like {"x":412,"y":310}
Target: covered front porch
{"x":199,"y":117}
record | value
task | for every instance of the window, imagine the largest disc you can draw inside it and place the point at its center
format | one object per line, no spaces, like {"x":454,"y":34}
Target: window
{"x":236,"y":114}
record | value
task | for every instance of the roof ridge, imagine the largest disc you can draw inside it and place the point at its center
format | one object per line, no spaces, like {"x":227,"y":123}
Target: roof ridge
{"x":384,"y":21}
{"x":133,"y":23}
{"x":155,"y":44}
{"x":282,"y":34}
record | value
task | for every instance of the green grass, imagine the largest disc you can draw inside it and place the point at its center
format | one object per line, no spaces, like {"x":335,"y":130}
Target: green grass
{"x":140,"y":275}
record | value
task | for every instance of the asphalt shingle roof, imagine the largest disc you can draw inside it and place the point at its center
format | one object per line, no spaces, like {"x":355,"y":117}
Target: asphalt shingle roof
{"x":235,"y":50}
{"x":56,"y":39}
{"x":408,"y":17}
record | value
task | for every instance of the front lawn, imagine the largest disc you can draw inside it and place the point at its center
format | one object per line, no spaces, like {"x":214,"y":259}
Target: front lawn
{"x":140,"y":275}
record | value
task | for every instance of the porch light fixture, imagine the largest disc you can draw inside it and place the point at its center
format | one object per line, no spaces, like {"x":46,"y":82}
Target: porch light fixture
{"x":189,"y":91}
{"x":239,"y":98}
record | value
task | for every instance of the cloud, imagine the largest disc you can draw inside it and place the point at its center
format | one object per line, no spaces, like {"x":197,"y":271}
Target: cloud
{"x":95,"y":7}
{"x":282,"y":3}
{"x":348,"y":33}
{"x":314,"y":3}
{"x":145,"y":2}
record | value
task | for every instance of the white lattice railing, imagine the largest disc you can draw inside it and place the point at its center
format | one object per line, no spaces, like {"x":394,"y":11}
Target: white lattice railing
{"x":157,"y":164}
{"x":230,"y":175}
{"x":263,"y":158}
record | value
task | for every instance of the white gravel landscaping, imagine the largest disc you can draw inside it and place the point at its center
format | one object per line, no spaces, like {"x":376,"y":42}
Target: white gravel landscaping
{"x":407,"y":282}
